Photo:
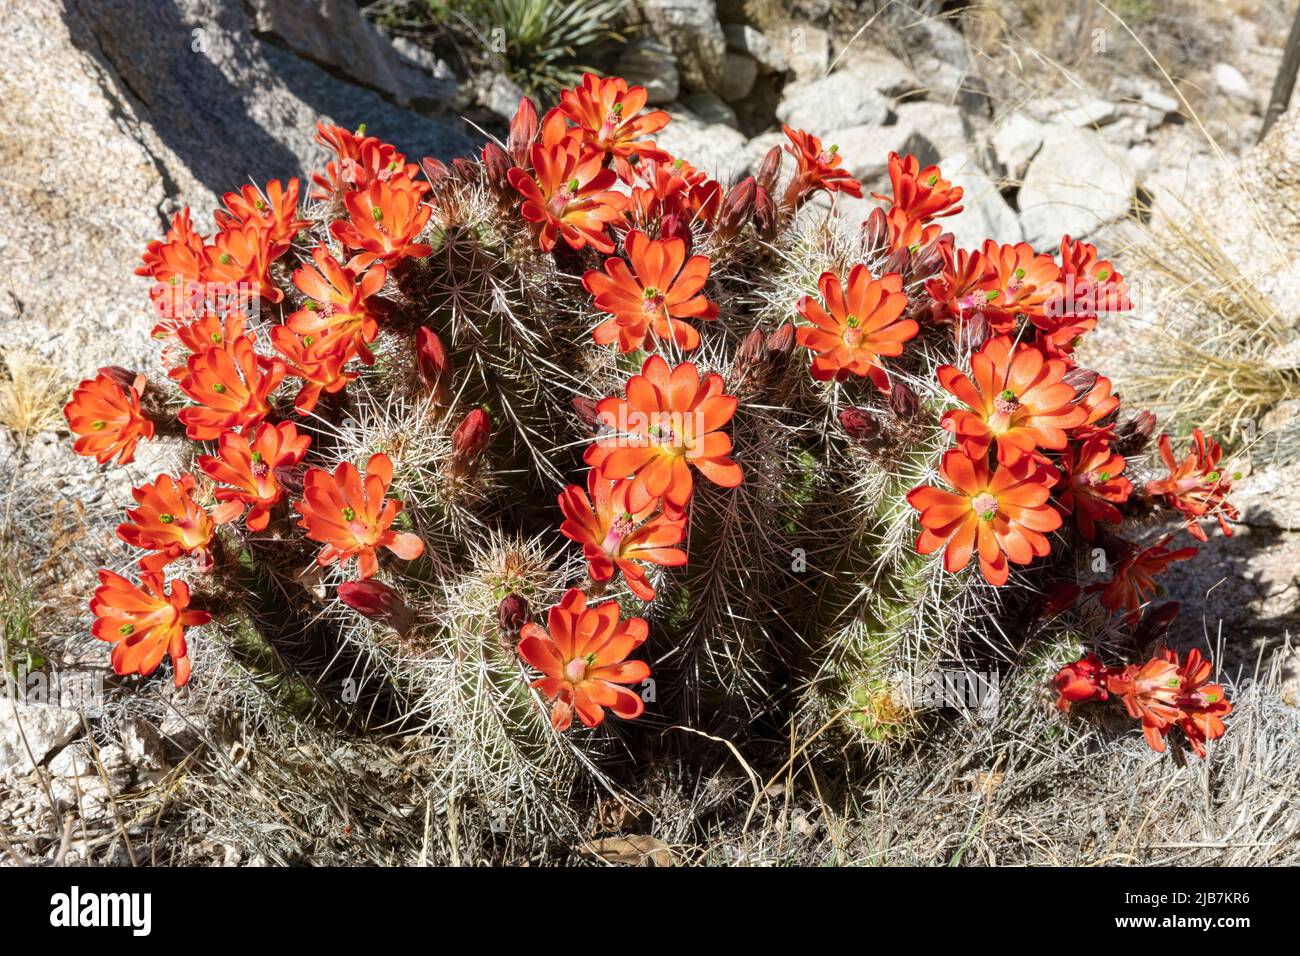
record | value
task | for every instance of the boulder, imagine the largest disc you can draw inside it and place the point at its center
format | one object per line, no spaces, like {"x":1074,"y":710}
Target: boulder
{"x":883,"y":72}
{"x":985,"y":214}
{"x":944,"y":127}
{"x":35,"y":727}
{"x":866,"y":149}
{"x":739,"y":72}
{"x":716,"y":148}
{"x":710,"y":110}
{"x":647,"y":62}
{"x":837,"y":101}
{"x":1076,"y":184}
{"x":1232,"y":84}
{"x":742,"y":38}
{"x":1015,"y":142}
{"x":691,"y":30}
{"x":806,"y":48}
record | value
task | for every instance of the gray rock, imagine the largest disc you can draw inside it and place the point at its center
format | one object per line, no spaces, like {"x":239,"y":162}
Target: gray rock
{"x":41,"y":728}
{"x":745,"y":39}
{"x":866,"y":149}
{"x":882,"y":71}
{"x":691,"y":30}
{"x":76,"y":780}
{"x":710,"y":110}
{"x":1231,"y":83}
{"x":840,"y":100}
{"x":739,"y":72}
{"x":1082,"y":111}
{"x":943,"y":126}
{"x":143,"y":745}
{"x":806,"y":48}
{"x":498,"y":93}
{"x":718,"y":149}
{"x":1159,"y":102}
{"x":1075,"y":184}
{"x":985,"y":214}
{"x":1015,"y":142}
{"x":647,"y":62}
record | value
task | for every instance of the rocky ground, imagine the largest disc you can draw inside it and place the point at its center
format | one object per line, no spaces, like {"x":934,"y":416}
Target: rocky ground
{"x":117,"y":113}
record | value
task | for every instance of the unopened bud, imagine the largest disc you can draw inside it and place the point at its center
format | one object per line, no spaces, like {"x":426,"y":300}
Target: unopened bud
{"x":378,"y":602}
{"x":1135,"y":434}
{"x":859,"y":424}
{"x":737,"y":209}
{"x":673,"y":226}
{"x":586,"y":410}
{"x":512,"y":614}
{"x":468,"y":441}
{"x":465,"y":170}
{"x":435,"y":170}
{"x":291,"y":478}
{"x":765,"y":215}
{"x":1058,"y":598}
{"x":496,"y":164}
{"x":899,"y":261}
{"x":972,"y":331}
{"x":1155,"y":624}
{"x":903,"y":401}
{"x":523,"y":130}
{"x":1081,"y":380}
{"x":433,"y":365}
{"x":769,"y":170}
{"x":875,"y":230}
{"x":123,"y":378}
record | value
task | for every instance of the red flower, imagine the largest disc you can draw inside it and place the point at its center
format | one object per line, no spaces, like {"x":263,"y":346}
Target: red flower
{"x":168,"y":521}
{"x":321,"y":370}
{"x":582,"y":654}
{"x":967,"y":285}
{"x":1089,"y":286}
{"x":669,"y":421}
{"x":904,"y":232}
{"x":1083,"y":680}
{"x":174,"y":263}
{"x":1150,"y":693}
{"x":819,"y":169}
{"x":249,"y":469}
{"x":648,"y":300}
{"x":1134,"y":578}
{"x":615,"y":536}
{"x":232,"y":385}
{"x":144,"y":623}
{"x":106,"y":418}
{"x":384,"y":220}
{"x":359,"y":161}
{"x":606,"y":111}
{"x":1091,"y":484}
{"x":1196,"y":486}
{"x":858,"y":327}
{"x":921,"y":194}
{"x":1202,"y":704}
{"x":1098,"y":405}
{"x":1026,"y":281}
{"x":1003,"y":514}
{"x":568,"y":193}
{"x":378,"y":602}
{"x":181,"y":339}
{"x":275,"y":210}
{"x":1018,"y":399}
{"x":351,"y":516}
{"x":337,"y":314}
{"x":241,"y":256}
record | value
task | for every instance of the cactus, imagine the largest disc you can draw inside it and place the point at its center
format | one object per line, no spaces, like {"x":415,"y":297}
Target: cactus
{"x":407,"y":358}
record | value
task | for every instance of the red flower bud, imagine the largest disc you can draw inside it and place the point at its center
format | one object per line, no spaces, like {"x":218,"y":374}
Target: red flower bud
{"x":435,"y":170}
{"x":781,"y":342}
{"x":768,"y":170}
{"x":1082,"y":380}
{"x":737,"y":209}
{"x":468,"y":441}
{"x":512,"y":614}
{"x":875,"y":230}
{"x":496,"y":164}
{"x":124,"y":378}
{"x":765,"y":215}
{"x":972,"y":331}
{"x":748,"y":354}
{"x":859,"y":423}
{"x":1081,"y":681}
{"x":466,"y":171}
{"x":433,"y":365}
{"x":1155,"y":624}
{"x":903,"y":401}
{"x":1059,"y":597}
{"x":523,"y":130}
{"x":586,"y":409}
{"x":378,"y":602}
{"x":673,"y":226}
{"x":1135,"y":434}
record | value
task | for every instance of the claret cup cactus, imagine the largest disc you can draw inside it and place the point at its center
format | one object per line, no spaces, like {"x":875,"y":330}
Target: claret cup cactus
{"x":542,"y":453}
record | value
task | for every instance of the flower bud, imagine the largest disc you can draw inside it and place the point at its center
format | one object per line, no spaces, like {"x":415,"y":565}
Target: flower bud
{"x":765,"y":215}
{"x":125,"y":379}
{"x":468,"y":441}
{"x":1081,"y":379}
{"x":466,"y":171}
{"x":929,"y":260}
{"x":972,"y":331}
{"x":859,"y":424}
{"x":737,"y":209}
{"x":903,"y":401}
{"x":433,"y":365}
{"x":523,"y":130}
{"x":1135,"y":434}
{"x":1058,"y":598}
{"x":875,"y":230}
{"x":290,"y":478}
{"x":748,"y":354}
{"x":673,"y":226}
{"x":435,"y":170}
{"x":768,"y":170}
{"x":1155,"y":624}
{"x":496,"y":164}
{"x":586,"y":410}
{"x":899,"y":261}
{"x":378,"y":602}
{"x":512,"y":614}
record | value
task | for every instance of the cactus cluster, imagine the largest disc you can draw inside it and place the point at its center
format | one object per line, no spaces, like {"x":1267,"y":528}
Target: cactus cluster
{"x":480,"y":448}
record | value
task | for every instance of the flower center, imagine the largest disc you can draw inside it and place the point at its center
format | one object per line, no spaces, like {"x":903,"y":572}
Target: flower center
{"x":653,"y":301}
{"x":985,"y":505}
{"x":575,"y":672}
{"x":1006,"y":403}
{"x":622,"y":526}
{"x":349,"y":514}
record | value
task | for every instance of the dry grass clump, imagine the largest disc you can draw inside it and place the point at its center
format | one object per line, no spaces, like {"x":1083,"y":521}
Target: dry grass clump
{"x":31,"y":394}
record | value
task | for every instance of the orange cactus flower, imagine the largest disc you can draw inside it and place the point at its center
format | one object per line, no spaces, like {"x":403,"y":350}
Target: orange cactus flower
{"x":608,"y":112}
{"x":1202,"y":705}
{"x":248,"y":468}
{"x":819,"y":169}
{"x":1134,"y":578}
{"x":582,"y":654}
{"x":1092,"y":485}
{"x":921,"y":194}
{"x":568,"y":193}
{"x":383,"y":221}
{"x":337,"y":313}
{"x":181,"y":339}
{"x":275,"y":210}
{"x":145,"y":623}
{"x":169,"y":522}
{"x":321,"y":370}
{"x":106,"y":418}
{"x":1017,"y":399}
{"x":1083,"y":680}
{"x":175,"y":264}
{"x":351,"y":517}
{"x":1027,"y":281}
{"x":614,"y":536}
{"x":1099,"y":405}
{"x":1089,"y":286}
{"x":858,"y":326}
{"x":1197,"y":486}
{"x":967,"y":285}
{"x":358,"y":161}
{"x":905,"y":232}
{"x":240,"y":257}
{"x":1150,"y":694}
{"x":231,"y":385}
{"x":1002,"y":514}
{"x":649,"y":300}
{"x":669,"y":421}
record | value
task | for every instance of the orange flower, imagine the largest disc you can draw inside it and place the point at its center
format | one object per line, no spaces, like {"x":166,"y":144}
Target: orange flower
{"x":1026,"y":281}
{"x":857,"y":327}
{"x":321,"y":370}
{"x":385,"y":219}
{"x":606,"y":111}
{"x":921,"y":194}
{"x":1150,"y":694}
{"x":1083,"y":680}
{"x":967,"y":285}
{"x":615,"y":536}
{"x":358,"y":161}
{"x":241,"y":256}
{"x":1202,"y":705}
{"x":1017,"y":399}
{"x":168,"y":521}
{"x":582,"y":654}
{"x":182,"y":339}
{"x":568,"y":192}
{"x":1098,"y":405}
{"x":1196,"y":487}
{"x":1003,"y":514}
{"x":175,"y":264}
{"x":249,"y":468}
{"x":275,"y":210}
{"x":669,"y":421}
{"x":819,"y":169}
{"x":351,"y":516}
{"x":145,"y":623}
{"x":232,"y":385}
{"x":1134,"y":578}
{"x":1091,"y":482}
{"x":336,"y":313}
{"x":1089,"y":287}
{"x":106,"y":418}
{"x":904,"y":232}
{"x":648,"y":300}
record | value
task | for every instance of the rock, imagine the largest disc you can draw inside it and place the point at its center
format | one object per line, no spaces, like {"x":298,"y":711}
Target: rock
{"x":1159,"y":102}
{"x":1232,"y":84}
{"x":709,"y":109}
{"x":866,"y":149}
{"x":807,"y":49}
{"x":143,"y":745}
{"x":985,"y":214}
{"x":76,"y":780}
{"x":333,"y":34}
{"x":691,"y":30}
{"x":1075,"y":184}
{"x":497,"y":92}
{"x":37,"y":727}
{"x":951,"y":84}
{"x":1077,"y":111}
{"x":840,"y":100}
{"x":1143,"y":160}
{"x":1015,"y":142}
{"x":883,"y":72}
{"x":647,"y":62}
{"x":943,"y":126}
{"x":756,"y":45}
{"x":738,"y":75}
{"x":718,"y":149}
{"x":940,"y":39}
